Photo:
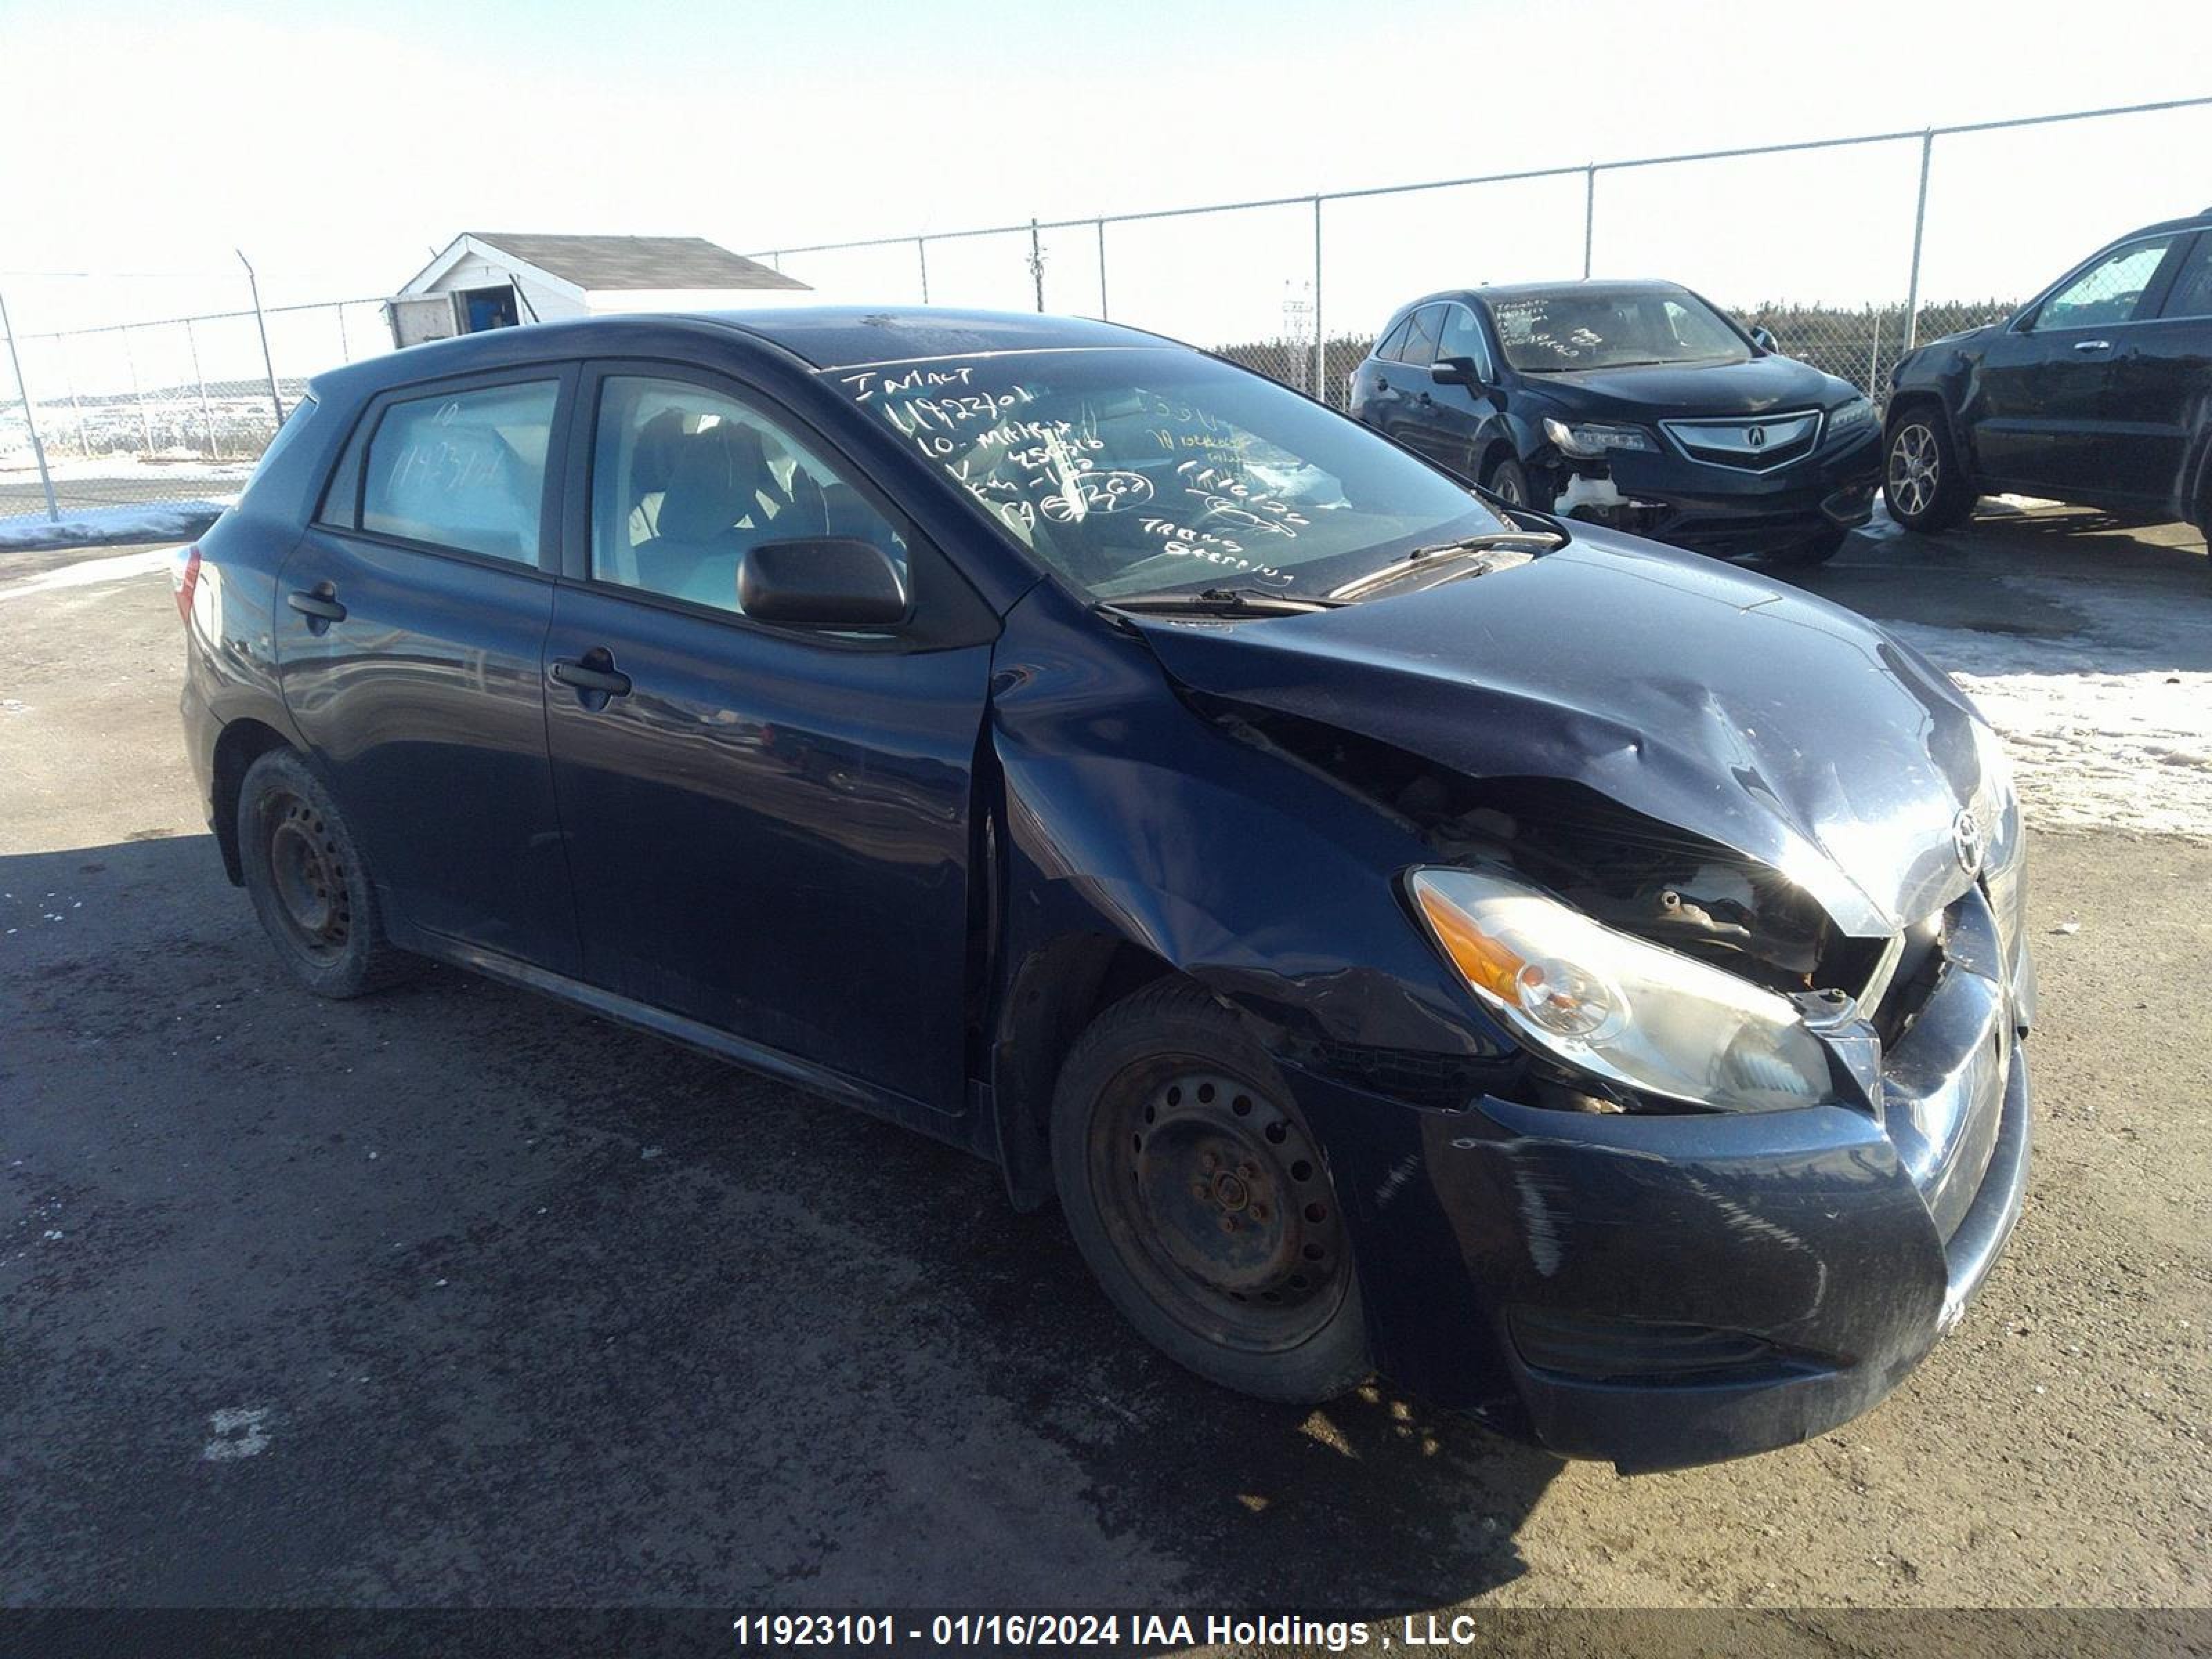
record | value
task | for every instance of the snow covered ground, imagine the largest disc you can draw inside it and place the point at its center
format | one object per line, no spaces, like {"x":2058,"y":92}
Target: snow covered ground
{"x":2108,"y":728}
{"x":138,"y":521}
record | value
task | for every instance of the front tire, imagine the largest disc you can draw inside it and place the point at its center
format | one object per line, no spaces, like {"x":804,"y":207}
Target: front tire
{"x":1509,"y":482}
{"x":309,"y":883}
{"x":1201,"y":1202}
{"x":1924,"y":481}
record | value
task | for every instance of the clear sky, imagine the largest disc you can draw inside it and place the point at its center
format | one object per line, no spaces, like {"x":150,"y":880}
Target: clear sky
{"x":339,"y":142}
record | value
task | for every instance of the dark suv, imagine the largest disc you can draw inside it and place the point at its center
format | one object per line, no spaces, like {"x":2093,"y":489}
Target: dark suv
{"x":1581,"y":980}
{"x":1634,"y":405}
{"x":2098,"y":391}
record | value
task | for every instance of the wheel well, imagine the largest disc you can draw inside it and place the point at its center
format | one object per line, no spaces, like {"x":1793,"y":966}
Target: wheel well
{"x":1905,"y":402}
{"x":242,"y":743}
{"x":1059,"y":992}
{"x":1499,"y":450}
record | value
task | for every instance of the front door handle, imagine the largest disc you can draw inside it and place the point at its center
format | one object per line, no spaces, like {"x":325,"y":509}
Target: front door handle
{"x":319,"y":604}
{"x":2093,"y":345}
{"x":595,"y":674}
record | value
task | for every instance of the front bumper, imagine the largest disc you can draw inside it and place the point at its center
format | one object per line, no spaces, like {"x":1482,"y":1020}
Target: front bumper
{"x":1722,"y":510}
{"x":1663,"y":1290}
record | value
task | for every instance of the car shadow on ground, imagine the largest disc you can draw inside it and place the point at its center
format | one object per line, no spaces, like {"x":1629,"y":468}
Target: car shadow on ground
{"x":534,"y":1308}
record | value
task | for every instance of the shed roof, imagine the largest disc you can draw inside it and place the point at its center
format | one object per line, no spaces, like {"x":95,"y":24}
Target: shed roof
{"x":602,"y":263}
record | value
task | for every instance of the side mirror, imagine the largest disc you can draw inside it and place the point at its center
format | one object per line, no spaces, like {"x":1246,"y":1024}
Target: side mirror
{"x":1764,"y":340}
{"x":1456,"y":371}
{"x":821,"y":581}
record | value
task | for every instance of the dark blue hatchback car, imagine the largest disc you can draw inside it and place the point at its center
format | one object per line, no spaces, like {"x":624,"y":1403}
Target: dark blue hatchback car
{"x":1582,"y":981}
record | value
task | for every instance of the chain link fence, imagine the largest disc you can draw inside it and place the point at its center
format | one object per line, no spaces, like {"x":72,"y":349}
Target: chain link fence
{"x":148,"y":429}
{"x":1848,"y":249}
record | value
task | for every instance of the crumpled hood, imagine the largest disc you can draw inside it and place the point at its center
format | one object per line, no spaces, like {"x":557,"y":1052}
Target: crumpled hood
{"x":1654,"y":392}
{"x":1707,"y":698}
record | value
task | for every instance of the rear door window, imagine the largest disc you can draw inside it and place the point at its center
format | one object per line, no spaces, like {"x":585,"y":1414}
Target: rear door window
{"x":463,"y":470}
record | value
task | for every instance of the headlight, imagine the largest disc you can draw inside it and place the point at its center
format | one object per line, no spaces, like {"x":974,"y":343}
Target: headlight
{"x":1608,"y":1004}
{"x":1850,"y":417}
{"x":1588,"y":442}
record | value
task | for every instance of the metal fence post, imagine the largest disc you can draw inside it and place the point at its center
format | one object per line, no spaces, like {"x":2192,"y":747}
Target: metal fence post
{"x":253,"y":283}
{"x":1919,"y":224}
{"x":30,"y":419}
{"x":1036,"y":263}
{"x":1590,"y":216}
{"x":1104,"y":315}
{"x":1321,"y":334}
{"x":921,"y":257}
{"x":1873,"y":348}
{"x":207,"y":414}
{"x":345,"y":339}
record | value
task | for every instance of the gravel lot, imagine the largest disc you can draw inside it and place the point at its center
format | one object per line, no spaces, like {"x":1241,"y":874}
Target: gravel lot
{"x":457,"y":1297}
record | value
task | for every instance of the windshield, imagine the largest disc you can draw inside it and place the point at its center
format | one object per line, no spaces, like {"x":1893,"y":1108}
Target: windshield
{"x":1140,"y":471}
{"x":1612,"y":328}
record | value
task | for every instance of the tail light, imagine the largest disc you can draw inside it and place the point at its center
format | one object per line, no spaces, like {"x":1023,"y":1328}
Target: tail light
{"x":184,"y":577}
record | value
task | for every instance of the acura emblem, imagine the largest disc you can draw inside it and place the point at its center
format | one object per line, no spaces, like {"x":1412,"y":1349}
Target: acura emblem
{"x":1756,"y":437}
{"x":1966,"y":841}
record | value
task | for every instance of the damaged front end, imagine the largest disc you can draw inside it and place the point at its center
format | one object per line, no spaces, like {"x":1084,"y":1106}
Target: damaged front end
{"x":1663,"y":1265}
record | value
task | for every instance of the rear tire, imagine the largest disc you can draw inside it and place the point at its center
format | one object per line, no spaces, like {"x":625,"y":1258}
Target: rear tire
{"x":1923,"y":480}
{"x":1508,"y":482}
{"x":1201,"y":1202}
{"x":309,"y":883}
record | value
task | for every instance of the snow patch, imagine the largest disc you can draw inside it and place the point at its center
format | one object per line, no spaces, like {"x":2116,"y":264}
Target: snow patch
{"x":144,"y":521}
{"x":240,"y":1431}
{"x":2109,"y":727}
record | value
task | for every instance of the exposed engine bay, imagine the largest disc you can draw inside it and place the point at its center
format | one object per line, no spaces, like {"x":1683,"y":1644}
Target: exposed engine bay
{"x":1619,"y":866}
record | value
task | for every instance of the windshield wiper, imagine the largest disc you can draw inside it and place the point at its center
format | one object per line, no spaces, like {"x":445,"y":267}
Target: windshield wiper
{"x":1520,"y":545}
{"x":1223,"y":602}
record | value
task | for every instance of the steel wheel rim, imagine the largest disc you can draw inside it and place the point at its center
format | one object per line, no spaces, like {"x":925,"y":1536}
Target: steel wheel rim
{"x":1216,"y":1198}
{"x":309,"y":875}
{"x":1915,"y":468}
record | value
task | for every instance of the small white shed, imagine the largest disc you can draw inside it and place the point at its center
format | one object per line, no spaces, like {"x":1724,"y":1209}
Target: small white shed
{"x":495,"y":279}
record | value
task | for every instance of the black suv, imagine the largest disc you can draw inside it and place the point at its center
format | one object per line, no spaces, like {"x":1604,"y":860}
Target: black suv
{"x":1636,"y":404}
{"x":2099,"y":391}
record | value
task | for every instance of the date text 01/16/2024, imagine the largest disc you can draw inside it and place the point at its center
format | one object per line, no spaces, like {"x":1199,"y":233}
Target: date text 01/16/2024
{"x":1066,"y":1630}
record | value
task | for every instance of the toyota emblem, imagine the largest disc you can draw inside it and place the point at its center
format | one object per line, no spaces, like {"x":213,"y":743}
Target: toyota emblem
{"x":1756,"y":437}
{"x":1966,"y":841}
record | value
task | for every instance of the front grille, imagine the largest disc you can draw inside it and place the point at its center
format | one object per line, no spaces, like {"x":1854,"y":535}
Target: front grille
{"x":1749,"y":444}
{"x":1943,"y":1075}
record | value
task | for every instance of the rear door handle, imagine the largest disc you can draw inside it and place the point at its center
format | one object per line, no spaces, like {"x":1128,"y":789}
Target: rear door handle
{"x":2093,"y":345}
{"x":319,"y":604}
{"x":603,"y":677}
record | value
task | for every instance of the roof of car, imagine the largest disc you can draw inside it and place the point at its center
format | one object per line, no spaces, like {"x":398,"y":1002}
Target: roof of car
{"x":818,"y":337}
{"x":851,"y":336}
{"x":1494,"y":291}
